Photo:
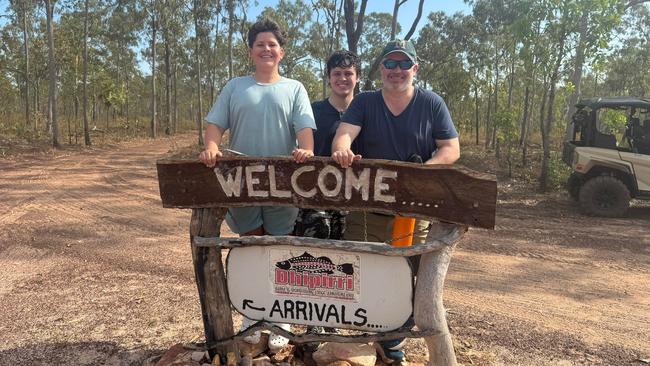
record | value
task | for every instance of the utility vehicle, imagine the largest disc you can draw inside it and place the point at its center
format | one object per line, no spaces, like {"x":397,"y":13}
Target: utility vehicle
{"x":608,"y":148}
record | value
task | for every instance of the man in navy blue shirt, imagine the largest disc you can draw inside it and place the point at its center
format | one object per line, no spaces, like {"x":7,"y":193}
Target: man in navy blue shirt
{"x":398,"y":122}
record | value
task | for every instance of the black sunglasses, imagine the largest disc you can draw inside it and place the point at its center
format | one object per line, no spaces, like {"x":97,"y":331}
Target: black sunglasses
{"x":391,"y":64}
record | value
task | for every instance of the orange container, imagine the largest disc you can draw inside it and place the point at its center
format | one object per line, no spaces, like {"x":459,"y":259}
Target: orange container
{"x":403,"y":228}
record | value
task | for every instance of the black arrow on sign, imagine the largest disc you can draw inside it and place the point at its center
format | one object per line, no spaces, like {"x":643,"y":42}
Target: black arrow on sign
{"x":248,"y":303}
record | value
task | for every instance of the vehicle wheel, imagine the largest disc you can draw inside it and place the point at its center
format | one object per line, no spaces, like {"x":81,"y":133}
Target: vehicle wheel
{"x":605,"y":196}
{"x":573,"y":186}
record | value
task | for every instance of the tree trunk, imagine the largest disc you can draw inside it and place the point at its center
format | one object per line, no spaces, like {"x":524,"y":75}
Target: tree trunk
{"x":154,"y":30}
{"x":393,"y":23}
{"x":353,"y":31}
{"x":231,"y":29}
{"x":542,"y":108}
{"x":524,"y":125}
{"x":476,"y":107}
{"x":28,"y":115}
{"x":576,"y":77}
{"x":488,"y":121}
{"x":168,"y":85}
{"x":493,"y":137}
{"x":511,"y":79}
{"x":175,"y":120}
{"x":197,"y":45}
{"x":87,"y":140}
{"x":53,"y":125}
{"x":547,"y":127}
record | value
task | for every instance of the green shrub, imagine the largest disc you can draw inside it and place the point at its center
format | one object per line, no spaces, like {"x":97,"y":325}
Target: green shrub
{"x":558,"y":171}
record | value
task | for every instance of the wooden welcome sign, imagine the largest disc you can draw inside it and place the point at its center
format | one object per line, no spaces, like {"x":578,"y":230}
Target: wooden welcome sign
{"x":450,"y":193}
{"x":337,"y":283}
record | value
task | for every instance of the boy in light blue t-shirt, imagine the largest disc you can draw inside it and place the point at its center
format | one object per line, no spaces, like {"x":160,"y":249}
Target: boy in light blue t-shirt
{"x":265,"y":113}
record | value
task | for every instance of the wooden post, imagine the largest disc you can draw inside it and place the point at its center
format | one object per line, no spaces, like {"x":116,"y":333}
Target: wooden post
{"x":428,"y":310}
{"x":211,"y":281}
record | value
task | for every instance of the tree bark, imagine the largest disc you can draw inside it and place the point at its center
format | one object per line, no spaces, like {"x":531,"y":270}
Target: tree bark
{"x":576,"y":77}
{"x":547,"y":127}
{"x":353,"y":31}
{"x":154,"y":30}
{"x":197,"y":45}
{"x":53,"y":124}
{"x":231,"y":29}
{"x":87,"y":140}
{"x":168,"y":77}
{"x":25,"y":24}
{"x":476,"y":107}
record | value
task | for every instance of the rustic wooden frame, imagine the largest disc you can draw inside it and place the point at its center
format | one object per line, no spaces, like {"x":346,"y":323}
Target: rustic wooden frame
{"x":179,"y":180}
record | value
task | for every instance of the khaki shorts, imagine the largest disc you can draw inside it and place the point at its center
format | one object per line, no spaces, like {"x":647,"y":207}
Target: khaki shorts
{"x":378,"y":227}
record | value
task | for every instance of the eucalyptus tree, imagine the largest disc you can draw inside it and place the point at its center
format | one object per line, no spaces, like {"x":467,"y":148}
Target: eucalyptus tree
{"x":10,"y":69}
{"x":294,"y":18}
{"x":52,"y":123}
{"x":354,"y":22}
{"x":497,"y":17}
{"x":150,"y":10}
{"x":626,"y":73}
{"x":201,"y":14}
{"x":325,"y":34}
{"x":118,"y":40}
{"x":377,"y":28}
{"x":24,"y":10}
{"x":230,"y":7}
{"x":86,"y":129}
{"x":559,"y":22}
{"x":441,"y":46}
{"x":70,"y":61}
{"x":595,"y":25}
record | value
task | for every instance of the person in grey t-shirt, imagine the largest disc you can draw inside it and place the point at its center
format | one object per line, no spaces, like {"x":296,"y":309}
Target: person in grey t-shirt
{"x":265,"y":113}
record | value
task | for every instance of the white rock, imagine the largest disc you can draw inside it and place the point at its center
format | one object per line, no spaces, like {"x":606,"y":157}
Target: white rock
{"x":355,"y":354}
{"x":198,"y":356}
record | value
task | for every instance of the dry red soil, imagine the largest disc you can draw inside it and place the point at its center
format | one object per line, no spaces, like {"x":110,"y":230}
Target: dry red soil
{"x":93,"y":271}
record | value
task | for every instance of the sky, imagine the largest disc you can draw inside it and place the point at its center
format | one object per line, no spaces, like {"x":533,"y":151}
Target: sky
{"x":407,"y":11}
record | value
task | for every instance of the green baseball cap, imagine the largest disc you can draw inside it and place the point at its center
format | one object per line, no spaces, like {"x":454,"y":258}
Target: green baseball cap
{"x":400,"y":45}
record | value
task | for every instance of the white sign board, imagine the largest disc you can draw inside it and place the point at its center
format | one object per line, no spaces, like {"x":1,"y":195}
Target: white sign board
{"x":332,"y":288}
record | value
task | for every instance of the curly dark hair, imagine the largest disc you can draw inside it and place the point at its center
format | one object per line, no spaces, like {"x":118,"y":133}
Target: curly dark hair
{"x":344,"y":59}
{"x":265,"y":25}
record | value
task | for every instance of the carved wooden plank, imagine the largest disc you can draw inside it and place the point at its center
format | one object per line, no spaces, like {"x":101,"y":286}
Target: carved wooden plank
{"x":447,"y":192}
{"x":445,"y":238}
{"x":211,"y":281}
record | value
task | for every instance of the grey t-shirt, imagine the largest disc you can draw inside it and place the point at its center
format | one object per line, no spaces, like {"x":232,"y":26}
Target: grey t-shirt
{"x":263,"y":118}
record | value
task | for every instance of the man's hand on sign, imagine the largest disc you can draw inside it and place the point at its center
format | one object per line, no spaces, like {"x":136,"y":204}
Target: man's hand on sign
{"x":301,"y":155}
{"x":209,"y":156}
{"x":345,"y":157}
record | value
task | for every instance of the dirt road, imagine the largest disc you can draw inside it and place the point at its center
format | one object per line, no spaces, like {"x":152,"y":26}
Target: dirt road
{"x":93,"y":271}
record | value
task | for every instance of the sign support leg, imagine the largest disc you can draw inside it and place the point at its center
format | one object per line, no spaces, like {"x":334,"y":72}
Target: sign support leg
{"x":428,"y":309}
{"x":211,"y":280}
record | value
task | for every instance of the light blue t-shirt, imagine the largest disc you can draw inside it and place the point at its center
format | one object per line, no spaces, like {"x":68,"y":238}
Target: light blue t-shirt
{"x":263,"y":118}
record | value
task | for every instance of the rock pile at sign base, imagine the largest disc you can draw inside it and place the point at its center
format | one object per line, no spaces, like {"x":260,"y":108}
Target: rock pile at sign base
{"x":328,"y":354}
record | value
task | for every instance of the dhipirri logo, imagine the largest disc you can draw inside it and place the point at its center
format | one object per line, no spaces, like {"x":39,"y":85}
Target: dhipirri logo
{"x":315,"y":276}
